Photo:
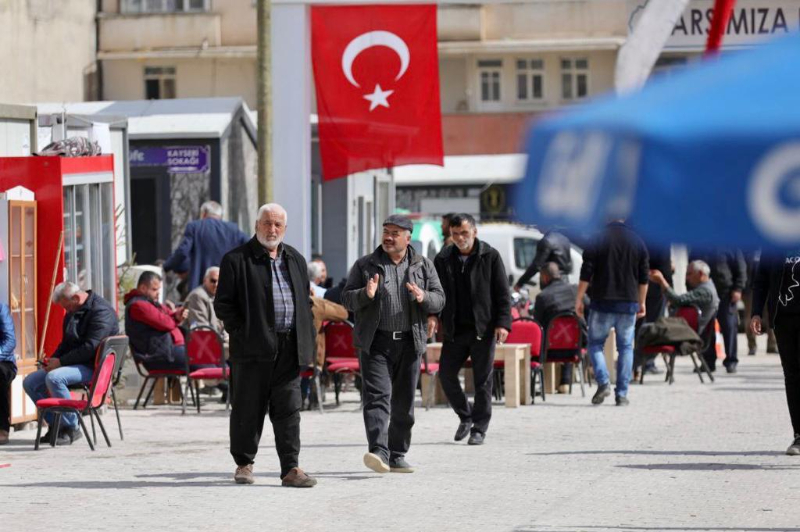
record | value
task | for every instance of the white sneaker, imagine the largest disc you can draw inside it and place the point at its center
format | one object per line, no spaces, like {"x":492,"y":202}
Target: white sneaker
{"x":376,"y":463}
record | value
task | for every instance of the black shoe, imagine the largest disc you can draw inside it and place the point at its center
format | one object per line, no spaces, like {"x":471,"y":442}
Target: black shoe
{"x":73,"y":435}
{"x":399,"y":465}
{"x":794,"y":448}
{"x":603,"y":391}
{"x":751,"y":352}
{"x":463,"y":430}
{"x":731,"y":368}
{"x":476,"y":438}
{"x":224,"y":398}
{"x":622,"y":400}
{"x":652,"y":370}
{"x":701,"y":370}
{"x":46,"y":437}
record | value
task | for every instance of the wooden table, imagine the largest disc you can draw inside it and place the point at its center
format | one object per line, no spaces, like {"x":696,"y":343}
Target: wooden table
{"x":517,"y":375}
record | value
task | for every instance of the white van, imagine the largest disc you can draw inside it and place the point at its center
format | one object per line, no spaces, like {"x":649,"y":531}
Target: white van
{"x":517,"y":246}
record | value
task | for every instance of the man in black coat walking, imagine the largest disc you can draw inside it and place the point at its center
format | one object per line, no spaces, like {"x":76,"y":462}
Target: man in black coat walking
{"x":477,"y":313}
{"x":263,"y":300}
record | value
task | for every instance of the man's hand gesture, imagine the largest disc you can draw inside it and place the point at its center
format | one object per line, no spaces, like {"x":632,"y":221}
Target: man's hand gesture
{"x":372,"y":286}
{"x":416,"y":291}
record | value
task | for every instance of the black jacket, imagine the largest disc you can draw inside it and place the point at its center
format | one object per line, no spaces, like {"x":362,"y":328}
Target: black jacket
{"x":491,"y":299}
{"x":84,"y":329}
{"x":766,"y":287}
{"x":244,"y":303}
{"x":368,"y":311}
{"x":728,"y":270}
{"x":556,"y":298}
{"x":615,"y":264}
{"x":553,"y":247}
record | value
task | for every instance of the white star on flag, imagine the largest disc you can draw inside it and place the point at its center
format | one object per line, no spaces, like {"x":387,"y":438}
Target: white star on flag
{"x":377,"y":98}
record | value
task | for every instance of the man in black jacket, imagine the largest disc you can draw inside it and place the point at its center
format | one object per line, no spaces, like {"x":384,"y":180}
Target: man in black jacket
{"x":729,"y":274}
{"x":553,"y":247}
{"x":89,"y":320}
{"x":557,"y":297}
{"x":263,"y":300}
{"x":477,"y":313}
{"x":392,"y":291}
{"x":777,"y":284}
{"x":616,"y":266}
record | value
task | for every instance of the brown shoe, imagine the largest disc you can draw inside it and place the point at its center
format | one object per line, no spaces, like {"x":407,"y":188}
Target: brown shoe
{"x":244,"y":474}
{"x":3,"y":437}
{"x":563,"y":388}
{"x":296,"y":478}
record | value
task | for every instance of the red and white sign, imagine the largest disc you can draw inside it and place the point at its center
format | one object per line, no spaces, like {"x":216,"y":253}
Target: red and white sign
{"x":376,"y":72}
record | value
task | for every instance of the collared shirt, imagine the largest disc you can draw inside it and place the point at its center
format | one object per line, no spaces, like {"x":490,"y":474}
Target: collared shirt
{"x":395,"y":297}
{"x":282,"y":299}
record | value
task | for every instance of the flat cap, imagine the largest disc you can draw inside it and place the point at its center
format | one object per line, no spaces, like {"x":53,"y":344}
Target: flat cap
{"x":400,"y":221}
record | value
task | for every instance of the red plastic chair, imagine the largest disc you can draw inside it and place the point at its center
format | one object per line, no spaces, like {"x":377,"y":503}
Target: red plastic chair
{"x":153,"y":375}
{"x":432,"y":370}
{"x":205,"y":347}
{"x":691,"y":315}
{"x":564,"y":344}
{"x":101,"y":383}
{"x":526,"y":331}
{"x":341,"y":356}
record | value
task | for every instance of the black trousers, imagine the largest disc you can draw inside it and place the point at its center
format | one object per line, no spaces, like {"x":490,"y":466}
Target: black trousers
{"x":454,"y":354}
{"x":787,"y":334}
{"x":390,"y":372}
{"x":258,"y":388}
{"x":728,"y":318}
{"x":7,"y":373}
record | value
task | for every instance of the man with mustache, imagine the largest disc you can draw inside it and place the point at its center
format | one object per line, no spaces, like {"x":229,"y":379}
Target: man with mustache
{"x":263,"y":300}
{"x":392,"y":291}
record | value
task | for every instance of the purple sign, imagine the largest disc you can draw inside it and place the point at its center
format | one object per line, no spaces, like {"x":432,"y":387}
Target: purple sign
{"x":177,"y":159}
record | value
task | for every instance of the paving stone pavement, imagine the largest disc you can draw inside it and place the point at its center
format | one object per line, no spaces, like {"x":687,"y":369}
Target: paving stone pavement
{"x":682,"y":457}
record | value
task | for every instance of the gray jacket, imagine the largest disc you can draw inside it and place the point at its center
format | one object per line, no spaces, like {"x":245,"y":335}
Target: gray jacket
{"x":367,"y":311}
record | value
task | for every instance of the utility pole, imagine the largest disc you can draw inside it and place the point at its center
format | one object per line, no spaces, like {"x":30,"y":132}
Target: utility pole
{"x":264,"y":105}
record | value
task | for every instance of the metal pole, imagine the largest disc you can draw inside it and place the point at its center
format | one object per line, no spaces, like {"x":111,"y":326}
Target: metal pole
{"x":264,"y":91}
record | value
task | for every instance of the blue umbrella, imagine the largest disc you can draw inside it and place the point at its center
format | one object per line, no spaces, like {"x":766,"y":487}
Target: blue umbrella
{"x":707,"y":157}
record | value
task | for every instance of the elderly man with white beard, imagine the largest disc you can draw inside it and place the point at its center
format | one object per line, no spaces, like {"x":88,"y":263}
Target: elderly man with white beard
{"x":263,"y":300}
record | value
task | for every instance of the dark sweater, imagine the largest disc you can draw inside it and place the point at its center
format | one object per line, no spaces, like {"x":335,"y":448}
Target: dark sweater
{"x":615,"y":264}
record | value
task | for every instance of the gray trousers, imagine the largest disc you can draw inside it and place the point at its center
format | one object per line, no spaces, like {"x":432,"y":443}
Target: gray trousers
{"x":389,"y":372}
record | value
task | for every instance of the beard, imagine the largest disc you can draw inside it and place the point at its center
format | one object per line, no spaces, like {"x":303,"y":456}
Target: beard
{"x":271,"y":245}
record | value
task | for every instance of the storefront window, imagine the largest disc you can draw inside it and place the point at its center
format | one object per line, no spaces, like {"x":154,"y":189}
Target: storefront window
{"x":89,"y":234}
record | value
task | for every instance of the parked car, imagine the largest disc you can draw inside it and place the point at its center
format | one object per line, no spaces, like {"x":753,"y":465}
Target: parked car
{"x":517,"y":246}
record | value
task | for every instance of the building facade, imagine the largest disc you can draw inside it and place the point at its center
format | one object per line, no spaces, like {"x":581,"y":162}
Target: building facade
{"x":48,"y":50}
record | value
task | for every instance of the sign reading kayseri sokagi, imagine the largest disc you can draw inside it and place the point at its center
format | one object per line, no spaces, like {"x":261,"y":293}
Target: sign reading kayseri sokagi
{"x":752,"y":21}
{"x":177,"y":159}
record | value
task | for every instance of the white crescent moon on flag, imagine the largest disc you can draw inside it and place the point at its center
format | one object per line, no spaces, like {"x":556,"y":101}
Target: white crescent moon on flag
{"x":368,"y":40}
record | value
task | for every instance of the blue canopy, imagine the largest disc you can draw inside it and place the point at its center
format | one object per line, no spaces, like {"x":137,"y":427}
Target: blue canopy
{"x":709,"y":156}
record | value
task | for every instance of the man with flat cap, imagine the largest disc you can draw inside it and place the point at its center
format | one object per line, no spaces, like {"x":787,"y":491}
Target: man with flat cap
{"x":392,"y":292}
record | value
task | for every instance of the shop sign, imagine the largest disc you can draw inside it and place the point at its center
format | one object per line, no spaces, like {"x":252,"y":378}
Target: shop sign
{"x":177,"y":159}
{"x":752,"y":21}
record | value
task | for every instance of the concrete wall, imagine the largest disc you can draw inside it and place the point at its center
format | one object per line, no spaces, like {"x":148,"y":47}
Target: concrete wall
{"x":555,"y":18}
{"x":47,"y":50}
{"x":206,"y":77}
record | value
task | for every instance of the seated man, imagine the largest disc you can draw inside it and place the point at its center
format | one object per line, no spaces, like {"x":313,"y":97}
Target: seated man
{"x":317,"y":274}
{"x":322,"y":311}
{"x":8,"y":369}
{"x":702,"y":293}
{"x":89,"y":320}
{"x":153,"y":328}
{"x":200,"y":304}
{"x":557,"y":296}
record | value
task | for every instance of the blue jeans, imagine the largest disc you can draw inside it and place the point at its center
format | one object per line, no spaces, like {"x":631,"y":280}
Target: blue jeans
{"x":600,"y":324}
{"x":42,"y":384}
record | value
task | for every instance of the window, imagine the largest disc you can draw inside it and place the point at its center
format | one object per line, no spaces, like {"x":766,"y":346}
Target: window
{"x":159,"y":83}
{"x":89,"y":234}
{"x":524,"y":252}
{"x":490,"y":71}
{"x":164,"y":6}
{"x":574,"y":78}
{"x":530,"y":80}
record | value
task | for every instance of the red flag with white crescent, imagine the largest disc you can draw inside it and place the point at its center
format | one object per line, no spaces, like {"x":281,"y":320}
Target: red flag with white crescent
{"x":376,"y":72}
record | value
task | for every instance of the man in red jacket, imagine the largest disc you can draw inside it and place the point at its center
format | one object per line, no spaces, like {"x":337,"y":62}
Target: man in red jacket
{"x":152,"y":327}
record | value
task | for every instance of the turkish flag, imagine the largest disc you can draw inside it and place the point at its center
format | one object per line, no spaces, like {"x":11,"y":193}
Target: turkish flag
{"x":377,"y":81}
